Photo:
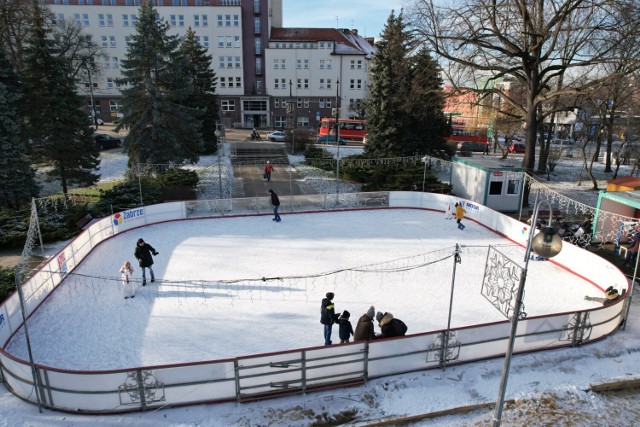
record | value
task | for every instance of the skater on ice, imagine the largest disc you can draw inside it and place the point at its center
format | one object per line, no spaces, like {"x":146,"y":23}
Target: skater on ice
{"x":460,"y":211}
{"x":611,"y":295}
{"x":327,"y":316}
{"x":127,"y":280}
{"x":143,"y":255}
{"x":364,"y":328}
{"x":267,"y":171}
{"x":345,"y":329}
{"x":275,"y":201}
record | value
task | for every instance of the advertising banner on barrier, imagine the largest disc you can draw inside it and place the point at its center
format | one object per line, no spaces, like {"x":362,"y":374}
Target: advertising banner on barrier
{"x":129,"y":216}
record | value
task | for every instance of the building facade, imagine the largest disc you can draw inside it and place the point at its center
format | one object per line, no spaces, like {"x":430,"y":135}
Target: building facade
{"x":268,"y":76}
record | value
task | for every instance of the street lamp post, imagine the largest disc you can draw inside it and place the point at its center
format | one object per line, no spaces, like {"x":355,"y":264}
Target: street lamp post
{"x":217,"y":133}
{"x":546,"y":244}
{"x":338,"y":137}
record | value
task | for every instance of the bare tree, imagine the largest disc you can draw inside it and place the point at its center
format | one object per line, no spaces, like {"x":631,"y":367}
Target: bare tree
{"x":552,"y":48}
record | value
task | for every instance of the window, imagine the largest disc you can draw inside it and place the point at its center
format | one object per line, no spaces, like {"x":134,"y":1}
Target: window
{"x":305,"y":103}
{"x":328,"y":64}
{"x":205,"y":41}
{"x":76,"y":19}
{"x":101,"y":20}
{"x":109,"y":83}
{"x":223,"y":82}
{"x":125,"y":20}
{"x":134,"y":19}
{"x":306,"y":83}
{"x":303,"y":121}
{"x":109,"y":20}
{"x":283,"y":83}
{"x":236,"y":41}
{"x":258,"y":86}
{"x":256,"y":25}
{"x":321,"y":83}
{"x":495,"y":188}
{"x":127,"y":40}
{"x":114,"y":62}
{"x":513,"y":186}
{"x":321,"y":103}
{"x":328,"y":83}
{"x":229,"y":61}
{"x":276,"y":84}
{"x":258,"y":64}
{"x":359,"y":84}
{"x":172,"y":20}
{"x":299,"y":64}
{"x":276,"y":64}
{"x":196,"y":20}
{"x":322,"y":64}
{"x":228,"y":105}
{"x":85,"y":19}
{"x":299,"y":103}
{"x":112,"y":41}
{"x":114,"y":107}
{"x":353,"y":64}
{"x":352,"y":84}
{"x":220,"y":21}
{"x":258,"y":46}
{"x":205,"y":21}
{"x":227,"y":20}
{"x":327,"y":103}
{"x":256,"y":6}
{"x":221,"y":62}
{"x":306,"y":64}
{"x":239,"y":64}
{"x":299,"y":86}
{"x":359,"y":64}
{"x":229,"y":41}
{"x":220,"y":41}
{"x":105,"y":42}
{"x":276,"y":103}
{"x":283,"y":64}
{"x":236,"y":20}
{"x":181,"y":20}
{"x":238,"y":82}
{"x":281,"y":122}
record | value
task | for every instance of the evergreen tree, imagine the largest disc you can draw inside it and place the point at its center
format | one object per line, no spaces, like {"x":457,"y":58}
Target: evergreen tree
{"x":427,"y":126}
{"x":162,"y":129}
{"x":55,"y":123}
{"x":390,"y":88}
{"x":203,"y":88}
{"x":16,"y":176}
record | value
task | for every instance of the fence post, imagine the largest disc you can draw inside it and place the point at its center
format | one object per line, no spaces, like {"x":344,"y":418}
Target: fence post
{"x":304,"y":372}
{"x":365,"y":370}
{"x":141,"y":391}
{"x":236,"y":369}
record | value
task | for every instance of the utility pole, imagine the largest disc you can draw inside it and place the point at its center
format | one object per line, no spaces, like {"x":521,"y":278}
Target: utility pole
{"x":293,"y":119}
{"x":338,"y":136}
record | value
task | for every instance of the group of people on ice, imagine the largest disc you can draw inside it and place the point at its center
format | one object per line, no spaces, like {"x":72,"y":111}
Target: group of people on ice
{"x":365,"y":330}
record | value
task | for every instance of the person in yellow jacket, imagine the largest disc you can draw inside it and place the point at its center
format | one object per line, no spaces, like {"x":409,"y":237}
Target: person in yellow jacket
{"x":460,"y":215}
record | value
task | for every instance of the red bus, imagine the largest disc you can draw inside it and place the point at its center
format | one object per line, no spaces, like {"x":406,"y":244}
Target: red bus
{"x":461,"y":132}
{"x":349,"y":128}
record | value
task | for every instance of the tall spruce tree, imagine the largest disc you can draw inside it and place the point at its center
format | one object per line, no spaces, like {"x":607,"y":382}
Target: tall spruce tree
{"x":390,"y":88}
{"x":162,"y":128}
{"x":16,"y":176}
{"x":427,"y":126}
{"x":55,"y":123}
{"x":203,"y":90}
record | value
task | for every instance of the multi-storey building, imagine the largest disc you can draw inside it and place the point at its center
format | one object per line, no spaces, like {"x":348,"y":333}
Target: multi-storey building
{"x":261,"y":67}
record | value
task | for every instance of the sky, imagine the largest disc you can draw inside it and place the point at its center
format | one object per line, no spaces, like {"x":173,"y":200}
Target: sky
{"x":367,"y":16}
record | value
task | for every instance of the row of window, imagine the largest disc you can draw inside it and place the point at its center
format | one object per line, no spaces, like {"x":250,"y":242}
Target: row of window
{"x":302,"y":45}
{"x":231,"y":62}
{"x":323,"y":84}
{"x":199,"y":20}
{"x":301,"y":64}
{"x":230,"y":82}
{"x":302,"y":102}
{"x":110,"y":41}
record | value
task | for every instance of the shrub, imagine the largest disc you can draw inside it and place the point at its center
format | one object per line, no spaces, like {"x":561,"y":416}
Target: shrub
{"x":7,"y":282}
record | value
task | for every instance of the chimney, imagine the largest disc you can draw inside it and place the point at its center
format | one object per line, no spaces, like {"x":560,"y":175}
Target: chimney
{"x":355,"y":31}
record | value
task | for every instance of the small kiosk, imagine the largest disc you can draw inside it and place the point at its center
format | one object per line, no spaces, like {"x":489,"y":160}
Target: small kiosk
{"x":490,"y":181}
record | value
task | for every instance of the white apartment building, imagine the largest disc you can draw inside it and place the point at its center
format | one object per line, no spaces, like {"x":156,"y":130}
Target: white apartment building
{"x":254,"y":58}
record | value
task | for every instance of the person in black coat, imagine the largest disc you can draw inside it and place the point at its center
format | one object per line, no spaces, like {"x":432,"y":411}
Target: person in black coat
{"x":143,"y":255}
{"x":275,"y":201}
{"x":390,"y":326}
{"x":327,"y":316}
{"x":364,"y":328}
{"x":346,"y":330}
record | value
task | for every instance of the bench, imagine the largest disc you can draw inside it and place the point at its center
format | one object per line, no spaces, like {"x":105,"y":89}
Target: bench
{"x":85,"y":221}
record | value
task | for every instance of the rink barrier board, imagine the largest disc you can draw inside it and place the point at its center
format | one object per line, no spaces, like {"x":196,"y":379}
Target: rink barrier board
{"x":295,"y":371}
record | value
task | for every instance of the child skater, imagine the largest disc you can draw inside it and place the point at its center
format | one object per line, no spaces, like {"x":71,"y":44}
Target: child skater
{"x":346,"y":330}
{"x":127,"y":284}
{"x":460,"y":211}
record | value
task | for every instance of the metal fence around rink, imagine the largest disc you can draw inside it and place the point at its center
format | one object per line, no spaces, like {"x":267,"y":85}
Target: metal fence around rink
{"x":304,"y":370}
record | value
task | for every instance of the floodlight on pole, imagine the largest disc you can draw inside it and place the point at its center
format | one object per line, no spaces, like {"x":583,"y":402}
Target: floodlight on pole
{"x":547,"y":244}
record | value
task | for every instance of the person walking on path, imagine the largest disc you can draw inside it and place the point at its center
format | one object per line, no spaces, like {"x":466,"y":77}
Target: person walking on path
{"x":127,"y":280}
{"x":364,"y":328}
{"x":267,"y":171}
{"x":275,"y":201}
{"x":460,"y":215}
{"x":143,"y":255}
{"x":345,"y":329}
{"x":327,"y":316}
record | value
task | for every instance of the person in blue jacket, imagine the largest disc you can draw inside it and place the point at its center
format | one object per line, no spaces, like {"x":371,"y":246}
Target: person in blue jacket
{"x":327,"y":316}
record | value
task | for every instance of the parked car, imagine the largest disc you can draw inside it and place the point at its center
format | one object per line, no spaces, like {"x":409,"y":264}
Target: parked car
{"x":516,"y":147}
{"x":331,"y":139}
{"x":277,"y":136}
{"x":103,"y":141}
{"x":477,"y":147}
